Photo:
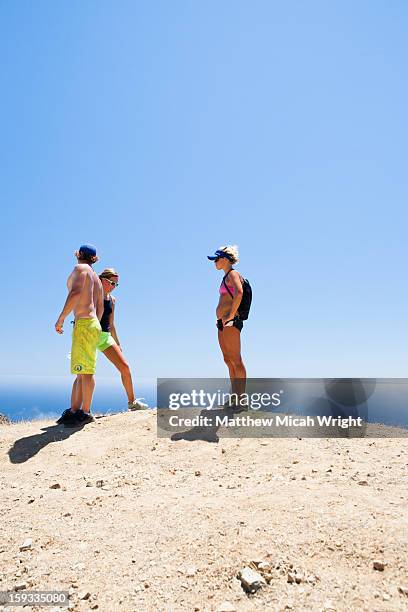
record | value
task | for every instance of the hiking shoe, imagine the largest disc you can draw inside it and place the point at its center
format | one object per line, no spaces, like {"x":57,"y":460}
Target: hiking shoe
{"x":137,"y":404}
{"x":63,"y":416}
{"x":83,"y":418}
{"x":67,"y":418}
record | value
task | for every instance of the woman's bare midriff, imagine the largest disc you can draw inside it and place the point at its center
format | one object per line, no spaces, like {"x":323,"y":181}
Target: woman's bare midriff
{"x":224,"y":306}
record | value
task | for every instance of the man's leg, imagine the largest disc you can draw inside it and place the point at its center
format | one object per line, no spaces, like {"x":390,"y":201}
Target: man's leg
{"x":88,"y":386}
{"x":76,"y":395}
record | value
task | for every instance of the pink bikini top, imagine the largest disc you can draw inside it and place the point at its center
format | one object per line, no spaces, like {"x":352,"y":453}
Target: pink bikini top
{"x":224,"y":290}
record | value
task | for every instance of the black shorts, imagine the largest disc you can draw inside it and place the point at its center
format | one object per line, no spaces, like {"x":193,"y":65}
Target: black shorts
{"x":237,"y":323}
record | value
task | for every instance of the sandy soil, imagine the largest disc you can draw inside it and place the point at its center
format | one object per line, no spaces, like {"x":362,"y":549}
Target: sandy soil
{"x":130,"y":522}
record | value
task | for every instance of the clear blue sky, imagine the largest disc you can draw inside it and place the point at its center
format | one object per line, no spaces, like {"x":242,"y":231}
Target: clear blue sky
{"x":161,"y":130}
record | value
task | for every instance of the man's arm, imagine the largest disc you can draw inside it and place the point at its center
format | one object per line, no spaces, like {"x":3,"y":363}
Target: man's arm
{"x":78,"y":283}
{"x":235,"y":281}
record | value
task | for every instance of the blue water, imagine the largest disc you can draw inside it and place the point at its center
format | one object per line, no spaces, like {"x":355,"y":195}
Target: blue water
{"x":27,"y":398}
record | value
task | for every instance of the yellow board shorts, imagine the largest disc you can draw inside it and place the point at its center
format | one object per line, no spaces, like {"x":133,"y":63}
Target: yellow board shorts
{"x":85,"y":338}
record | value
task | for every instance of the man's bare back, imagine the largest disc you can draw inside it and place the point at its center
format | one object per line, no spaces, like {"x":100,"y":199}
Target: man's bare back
{"x":85,"y":277}
{"x":85,"y":295}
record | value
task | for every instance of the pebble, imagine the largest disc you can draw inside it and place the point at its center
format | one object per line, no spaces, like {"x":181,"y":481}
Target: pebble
{"x":99,"y":484}
{"x":379,"y":566}
{"x":403,"y":590}
{"x":264,"y":566}
{"x":27,"y":544}
{"x":251,"y":581}
{"x":55,"y":485}
{"x":312,"y":579}
{"x":84,"y":594}
{"x":20,"y":586}
{"x":363,"y":483}
{"x":197,"y":473}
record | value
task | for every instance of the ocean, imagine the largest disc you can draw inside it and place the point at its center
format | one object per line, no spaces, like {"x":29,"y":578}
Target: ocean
{"x":40,"y":397}
{"x":376,"y":400}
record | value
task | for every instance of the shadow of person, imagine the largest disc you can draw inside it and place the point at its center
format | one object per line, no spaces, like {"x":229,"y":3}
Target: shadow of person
{"x":207,"y":432}
{"x":344,"y":398}
{"x":26,"y":448}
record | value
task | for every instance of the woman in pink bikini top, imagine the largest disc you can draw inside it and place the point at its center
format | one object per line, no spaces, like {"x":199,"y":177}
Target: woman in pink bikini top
{"x":228,"y":322}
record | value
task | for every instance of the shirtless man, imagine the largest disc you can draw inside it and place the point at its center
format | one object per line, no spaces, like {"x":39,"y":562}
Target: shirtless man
{"x":85,"y":299}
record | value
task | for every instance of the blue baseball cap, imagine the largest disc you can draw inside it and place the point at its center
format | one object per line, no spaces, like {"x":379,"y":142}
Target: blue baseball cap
{"x":219,"y":254}
{"x":88,"y":250}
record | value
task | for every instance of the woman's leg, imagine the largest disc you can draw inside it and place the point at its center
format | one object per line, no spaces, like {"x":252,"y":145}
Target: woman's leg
{"x":225,"y":355}
{"x":115,"y":355}
{"x":232,"y":346}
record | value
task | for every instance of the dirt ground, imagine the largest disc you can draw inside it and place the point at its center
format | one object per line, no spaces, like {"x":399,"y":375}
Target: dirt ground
{"x":126,"y":521}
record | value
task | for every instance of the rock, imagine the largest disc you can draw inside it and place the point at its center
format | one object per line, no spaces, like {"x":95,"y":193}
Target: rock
{"x":379,"y":566}
{"x":84,"y":594}
{"x":99,"y":484}
{"x":56,"y":485}
{"x":312,"y":579}
{"x":20,"y":586}
{"x":257,"y":560}
{"x":27,"y":544}
{"x":264,"y":566}
{"x":226,"y":606}
{"x":251,"y":581}
{"x":363,"y":483}
{"x":197,"y":473}
{"x":4,"y":420}
{"x":403,"y":590}
{"x":295,"y":577}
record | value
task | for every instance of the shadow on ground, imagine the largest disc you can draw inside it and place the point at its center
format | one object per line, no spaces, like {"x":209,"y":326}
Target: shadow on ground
{"x":26,"y":448}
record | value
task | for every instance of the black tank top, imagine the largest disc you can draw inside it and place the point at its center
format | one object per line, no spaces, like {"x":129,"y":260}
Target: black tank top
{"x":107,"y":309}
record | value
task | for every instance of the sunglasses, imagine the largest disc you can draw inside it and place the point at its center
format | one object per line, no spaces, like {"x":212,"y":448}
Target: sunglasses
{"x":112,"y":283}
